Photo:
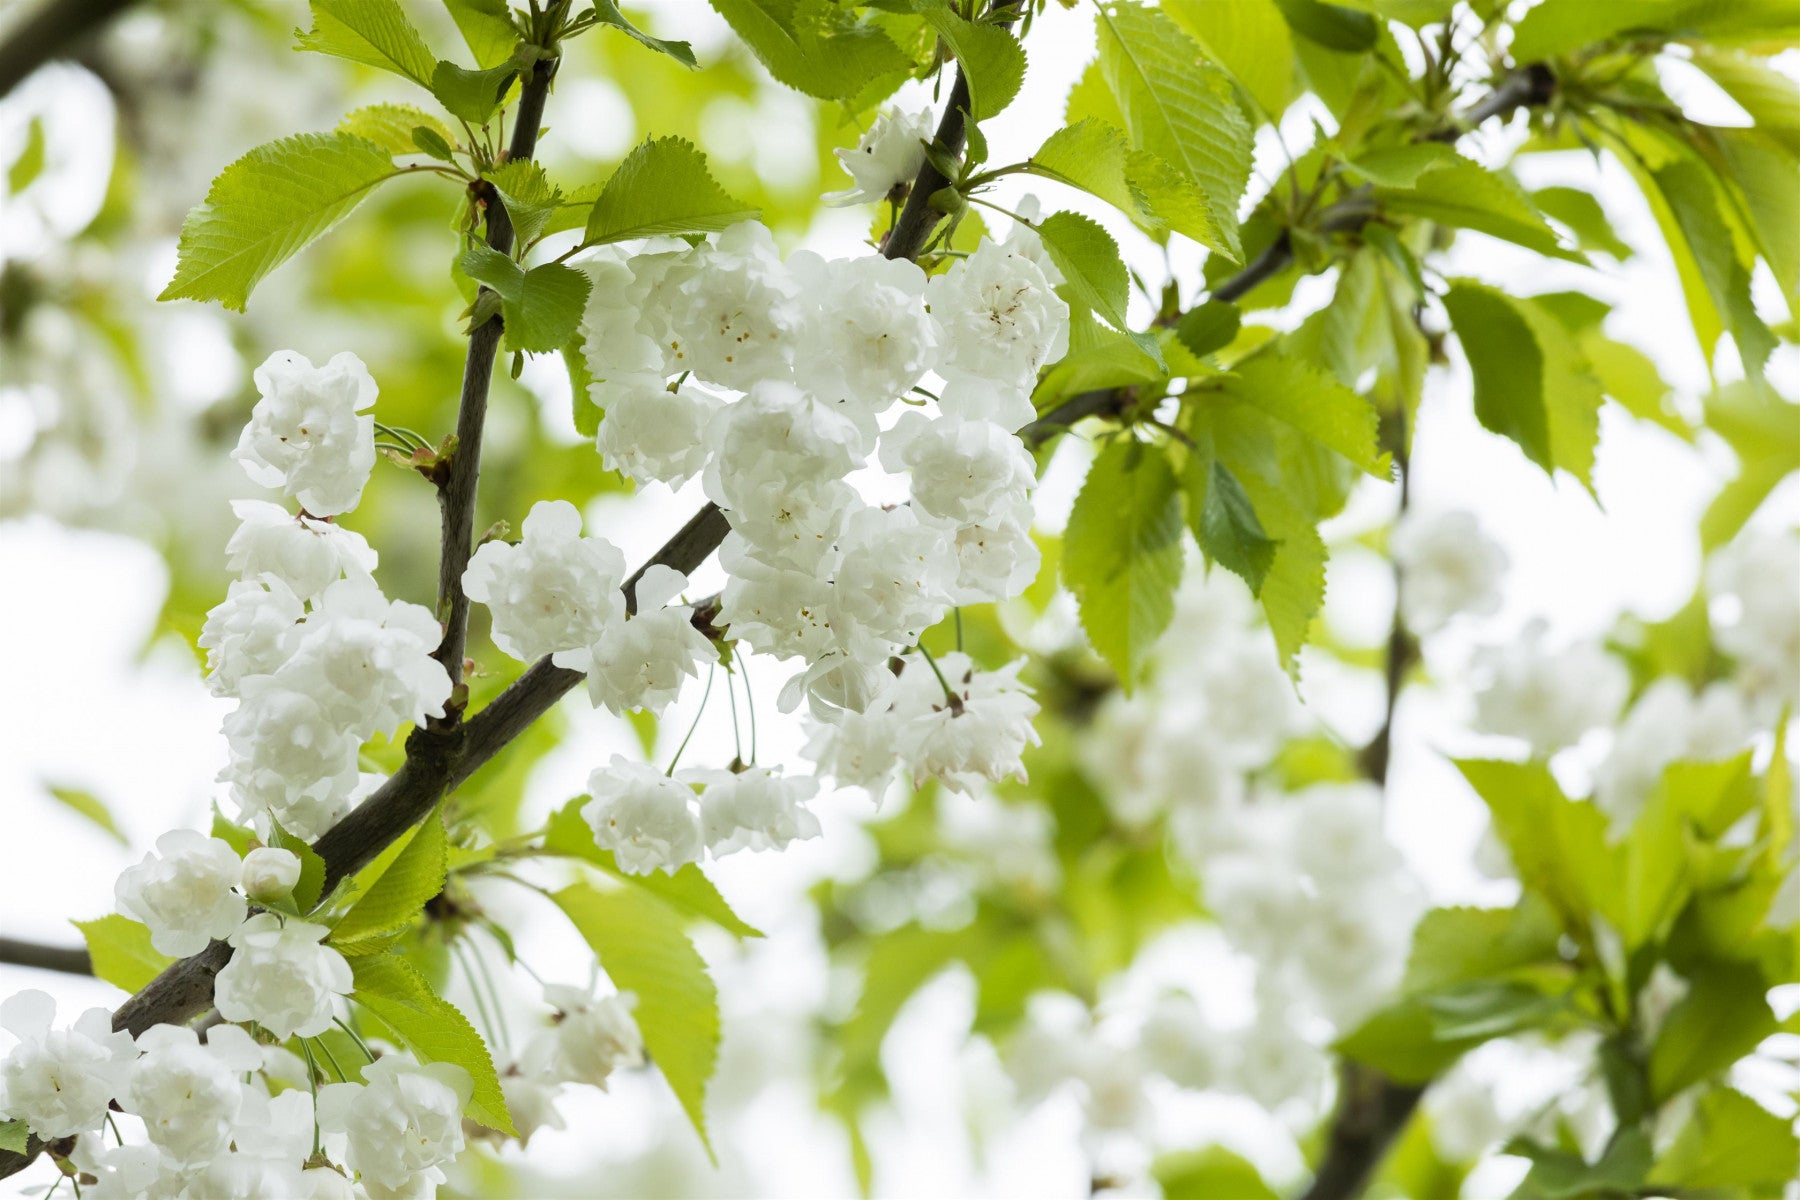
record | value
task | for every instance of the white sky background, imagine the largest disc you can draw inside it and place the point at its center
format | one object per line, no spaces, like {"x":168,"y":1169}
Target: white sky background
{"x":86,"y":705}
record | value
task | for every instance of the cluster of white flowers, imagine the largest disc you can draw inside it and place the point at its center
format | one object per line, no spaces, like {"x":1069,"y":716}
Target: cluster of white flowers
{"x":1548,"y":696}
{"x":318,"y":658}
{"x":887,"y":158}
{"x":651,"y":821}
{"x":1754,"y":588}
{"x":1448,"y":567}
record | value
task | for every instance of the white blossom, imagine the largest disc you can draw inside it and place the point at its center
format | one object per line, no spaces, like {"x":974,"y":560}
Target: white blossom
{"x":270,"y":873}
{"x":247,"y":633}
{"x":305,"y":435}
{"x":894,"y":580}
{"x":188,"y":1095}
{"x":642,"y":662}
{"x":1007,"y":403}
{"x":404,"y":1120}
{"x":736,"y":317}
{"x":59,"y":1081}
{"x":868,"y":338}
{"x":245,"y":1176}
{"x":588,"y":1039}
{"x":1754,"y":585}
{"x":307,"y":554}
{"x":777,"y":437}
{"x":1448,"y":567}
{"x":644,"y":817}
{"x":978,"y":732}
{"x":793,"y":525}
{"x":998,"y":318}
{"x":553,"y":590}
{"x":889,"y":155}
{"x":754,"y":809}
{"x":291,"y":759}
{"x":281,"y":977}
{"x":1338,"y":834}
{"x":780,"y":610}
{"x":856,"y":749}
{"x":618,"y":337}
{"x":650,"y":431}
{"x":1181,"y":1044}
{"x":367,"y":659}
{"x":183,"y":892}
{"x":968,"y":472}
{"x":996,"y":558}
{"x":1668,"y":723}
{"x":1548,"y":696}
{"x":531,"y":1099}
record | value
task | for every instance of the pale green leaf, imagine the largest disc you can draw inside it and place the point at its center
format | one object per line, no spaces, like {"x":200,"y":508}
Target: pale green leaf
{"x":487,"y":29}
{"x":989,"y":57}
{"x":1225,"y":522}
{"x":1730,"y":1142}
{"x":643,"y":949}
{"x":30,"y":163}
{"x":1180,"y":109}
{"x":1724,"y":1014}
{"x":1401,"y":166}
{"x":397,"y":896}
{"x":86,"y":804}
{"x":530,"y":198}
{"x":1090,"y":155}
{"x":14,"y":1136}
{"x":1213,"y":1173}
{"x":1097,"y":358}
{"x":1458,"y":945}
{"x":265,"y":207}
{"x":1122,"y":553}
{"x":609,"y":14}
{"x":815,"y":46}
{"x":1767,"y":178}
{"x":541,"y":307}
{"x":472,"y":95}
{"x":121,"y":952}
{"x":1332,"y":26}
{"x":586,"y":412}
{"x":663,"y":186}
{"x":1771,"y":98}
{"x":1466,"y":195}
{"x":1209,"y":328}
{"x":391,"y":989}
{"x":1300,"y":395}
{"x":1249,"y":40}
{"x":1558,"y":845}
{"x":375,"y":33}
{"x":391,"y":126}
{"x":1090,"y":264}
{"x":1580,"y":213}
{"x":1293,"y":590}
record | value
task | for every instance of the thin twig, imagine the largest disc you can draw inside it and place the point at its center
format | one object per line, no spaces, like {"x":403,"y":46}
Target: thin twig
{"x":67,"y":959}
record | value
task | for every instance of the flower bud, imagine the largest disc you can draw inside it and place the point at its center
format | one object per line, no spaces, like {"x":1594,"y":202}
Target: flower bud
{"x":270,"y":873}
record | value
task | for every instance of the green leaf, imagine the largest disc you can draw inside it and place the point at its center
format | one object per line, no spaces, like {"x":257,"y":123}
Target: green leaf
{"x":815,"y":46}
{"x":1180,"y":110}
{"x":530,"y":199}
{"x":397,"y":896}
{"x":1730,"y":1142}
{"x":1457,"y":945}
{"x":1293,"y":591}
{"x":1401,"y":166}
{"x":663,"y":186}
{"x":30,"y":163}
{"x":310,"y":889}
{"x":609,"y":14}
{"x":1091,"y":155}
{"x":430,"y":141}
{"x":643,"y":950}
{"x":14,"y":1136}
{"x":586,"y":414}
{"x":989,"y":57}
{"x":86,"y":804}
{"x":1766,"y":174}
{"x":1400,"y":1041}
{"x":1561,"y":1175}
{"x":1688,"y":189}
{"x":1249,"y":39}
{"x":1531,"y":383}
{"x":1771,"y":98}
{"x":1723,"y":1016}
{"x":1330,"y":25}
{"x":1090,"y":264}
{"x":688,"y":890}
{"x":1305,"y":398}
{"x":472,"y":95}
{"x":435,"y":1030}
{"x":1467,"y":195}
{"x":375,"y":33}
{"x":542,"y":307}
{"x":1210,"y":1174}
{"x":391,"y":126}
{"x":487,"y":29}
{"x":236,"y":836}
{"x":1580,"y":213}
{"x":1763,"y":430}
{"x":1558,"y":845}
{"x":1122,"y":553}
{"x":1212,"y":326}
{"x":265,"y":207}
{"x":1097,"y":358}
{"x":121,"y":952}
{"x":1629,"y":376}
{"x":1225,"y":522}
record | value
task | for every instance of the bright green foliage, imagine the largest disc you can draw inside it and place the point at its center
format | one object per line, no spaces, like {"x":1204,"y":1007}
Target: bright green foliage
{"x":1180,"y":110}
{"x":396,"y":897}
{"x":1401,"y":166}
{"x":30,"y":163}
{"x":1721,"y":1019}
{"x":472,"y":95}
{"x":1562,"y":1175}
{"x":1763,"y":430}
{"x":1099,"y":357}
{"x":643,"y":949}
{"x":1466,"y":195}
{"x":688,"y":890}
{"x":988,"y":56}
{"x":1531,"y":384}
{"x":816,"y":46}
{"x":1208,"y":1174}
{"x":1249,"y":40}
{"x":1730,"y":1142}
{"x":310,"y":889}
{"x":121,"y":952}
{"x":487,"y":29}
{"x":14,"y":1135}
{"x":265,"y":207}
{"x":1208,"y":328}
{"x":1298,"y":394}
{"x":1091,"y":155}
{"x":531,"y":199}
{"x":391,"y":126}
{"x":87,"y":805}
{"x":1558,"y":845}
{"x":609,"y":14}
{"x":1333,"y":26}
{"x":1089,"y":260}
{"x":1225,"y":522}
{"x":1122,"y":553}
{"x":391,"y":990}
{"x":587,"y":413}
{"x":663,"y":186}
{"x":1458,"y":945}
{"x":1583,"y":216}
{"x":542,"y":306}
{"x":375,"y":33}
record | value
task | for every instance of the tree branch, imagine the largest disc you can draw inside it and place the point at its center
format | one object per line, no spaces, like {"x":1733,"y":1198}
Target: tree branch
{"x":461,"y":480}
{"x":67,"y":959}
{"x":53,"y":31}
